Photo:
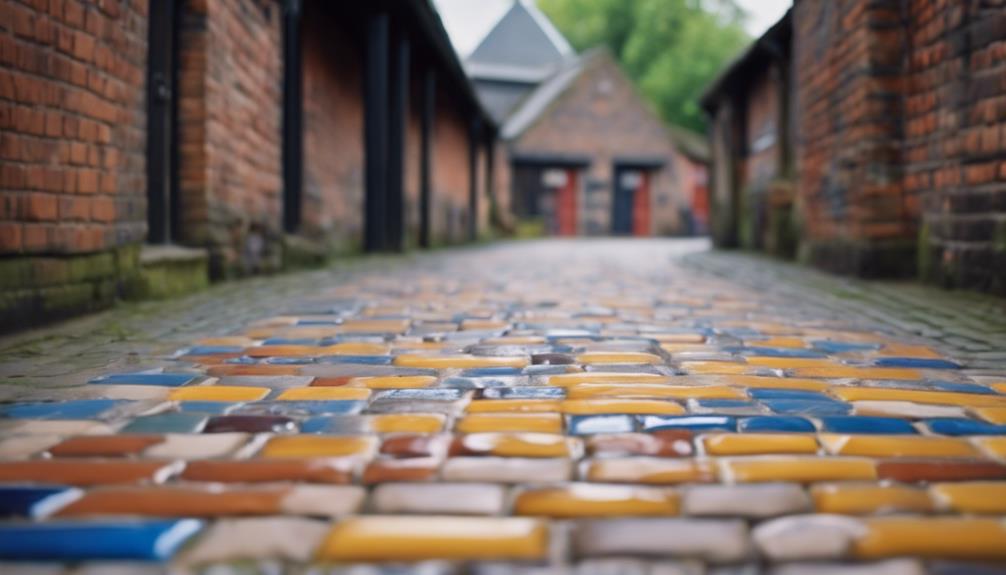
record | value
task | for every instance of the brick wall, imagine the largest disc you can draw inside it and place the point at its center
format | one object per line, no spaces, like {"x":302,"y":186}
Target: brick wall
{"x":955,"y":139}
{"x":229,"y":124}
{"x":856,"y":215}
{"x":449,"y":202}
{"x":72,"y":141}
{"x":333,"y":132}
{"x":601,"y":116}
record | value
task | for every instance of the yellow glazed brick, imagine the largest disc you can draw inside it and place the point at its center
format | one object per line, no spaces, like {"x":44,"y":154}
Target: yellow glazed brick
{"x":601,"y":357}
{"x":515,"y":340}
{"x":918,"y":396}
{"x":457,"y":361}
{"x":569,"y":379}
{"x":227,"y":340}
{"x":978,"y":497}
{"x":758,"y":443}
{"x":393,"y":381}
{"x":673,"y":348}
{"x":895,"y":349}
{"x":355,"y":348}
{"x":802,"y":469}
{"x":789,"y":362}
{"x":847,"y":371}
{"x":483,"y":324}
{"x":408,"y":422}
{"x":867,"y":498}
{"x":717,"y":368}
{"x":218,"y":393}
{"x":523,"y":444}
{"x":412,"y":538}
{"x":633,"y":391}
{"x":514,"y":406}
{"x":318,"y":446}
{"x":595,"y":500}
{"x":631,"y":406}
{"x":651,"y":470}
{"x":995,"y":415}
{"x":897,"y":446}
{"x":931,"y":537}
{"x":323,"y":393}
{"x":999,"y":386}
{"x":283,"y":351}
{"x":487,"y":422}
{"x":995,"y":446}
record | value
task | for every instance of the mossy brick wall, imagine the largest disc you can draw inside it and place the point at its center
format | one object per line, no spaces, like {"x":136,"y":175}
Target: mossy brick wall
{"x":955,"y":139}
{"x":230,"y":96}
{"x":72,"y":190}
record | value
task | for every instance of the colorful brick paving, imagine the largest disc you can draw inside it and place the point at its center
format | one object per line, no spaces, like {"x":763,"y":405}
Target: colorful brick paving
{"x":522,"y":417}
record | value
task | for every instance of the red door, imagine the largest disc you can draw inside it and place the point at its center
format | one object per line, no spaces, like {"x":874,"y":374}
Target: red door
{"x":566,"y":205}
{"x":641,"y":206}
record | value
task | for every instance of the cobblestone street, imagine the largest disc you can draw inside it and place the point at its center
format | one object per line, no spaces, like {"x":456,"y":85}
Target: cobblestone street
{"x":581,"y":406}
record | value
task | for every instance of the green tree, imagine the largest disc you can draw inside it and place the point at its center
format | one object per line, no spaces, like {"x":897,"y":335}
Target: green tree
{"x":672,"y":49}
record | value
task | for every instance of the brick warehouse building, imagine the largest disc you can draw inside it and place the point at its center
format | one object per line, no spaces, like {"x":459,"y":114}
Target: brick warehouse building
{"x":587,"y":155}
{"x":258,"y":132}
{"x":869,"y":137}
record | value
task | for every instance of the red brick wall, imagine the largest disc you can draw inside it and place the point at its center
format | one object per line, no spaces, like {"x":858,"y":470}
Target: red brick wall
{"x":600,"y":115}
{"x":333,"y":132}
{"x":955,"y":139}
{"x":72,"y":122}
{"x":449,"y":202}
{"x":856,"y":216}
{"x":230,"y":115}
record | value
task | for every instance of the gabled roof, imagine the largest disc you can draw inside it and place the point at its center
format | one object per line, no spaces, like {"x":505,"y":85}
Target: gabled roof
{"x":528,"y":111}
{"x":523,"y":44}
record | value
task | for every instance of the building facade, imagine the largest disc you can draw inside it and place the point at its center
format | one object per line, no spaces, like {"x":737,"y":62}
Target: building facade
{"x":887,"y":135}
{"x":587,"y":155}
{"x":224,"y":138}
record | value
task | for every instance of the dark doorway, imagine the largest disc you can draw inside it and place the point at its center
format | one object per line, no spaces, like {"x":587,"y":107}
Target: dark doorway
{"x":162,"y":159}
{"x":624,"y":187}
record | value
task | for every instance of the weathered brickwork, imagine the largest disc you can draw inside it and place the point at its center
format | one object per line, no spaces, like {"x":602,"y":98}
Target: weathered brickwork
{"x":955,"y":139}
{"x":898,"y":131}
{"x":333,"y":132}
{"x":601,"y":116}
{"x":231,"y":140}
{"x":71,"y":152}
{"x":451,"y":139}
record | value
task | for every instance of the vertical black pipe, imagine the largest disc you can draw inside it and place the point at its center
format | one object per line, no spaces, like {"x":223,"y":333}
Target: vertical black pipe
{"x":375,"y":101}
{"x":161,"y":74}
{"x":397,"y":122}
{"x":490,"y":143}
{"x":473,"y":179}
{"x":426,"y":121}
{"x":293,"y":123}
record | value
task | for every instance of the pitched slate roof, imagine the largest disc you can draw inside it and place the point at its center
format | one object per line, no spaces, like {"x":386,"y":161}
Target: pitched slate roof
{"x":523,"y":45}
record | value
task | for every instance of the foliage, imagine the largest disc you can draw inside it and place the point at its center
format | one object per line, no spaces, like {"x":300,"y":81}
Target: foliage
{"x":672,"y":49}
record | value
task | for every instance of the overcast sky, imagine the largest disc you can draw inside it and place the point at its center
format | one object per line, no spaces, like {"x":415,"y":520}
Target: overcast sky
{"x":467,"y":21}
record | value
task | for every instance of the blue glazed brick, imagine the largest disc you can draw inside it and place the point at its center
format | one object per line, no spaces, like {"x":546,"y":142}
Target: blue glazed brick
{"x":691,"y":422}
{"x":544,"y":369}
{"x":243,"y":360}
{"x":214,"y":349}
{"x":916,"y":362}
{"x":301,"y":408}
{"x":961,"y":387}
{"x":591,"y":424}
{"x":335,"y":425}
{"x":481,"y":382}
{"x":95,"y":540}
{"x":34,"y":501}
{"x":724,"y":403}
{"x":964,"y":426}
{"x":866,"y":424}
{"x":788,"y":394}
{"x":169,"y":422}
{"x":164,"y":379}
{"x":806,"y":407}
{"x":776,"y":423}
{"x":843,"y":346}
{"x":490,"y":371}
{"x":289,"y":360}
{"x":74,"y":409}
{"x":524,"y":392}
